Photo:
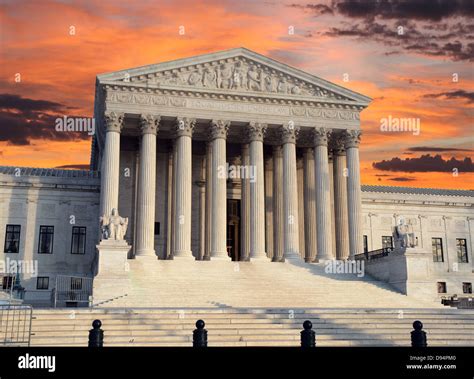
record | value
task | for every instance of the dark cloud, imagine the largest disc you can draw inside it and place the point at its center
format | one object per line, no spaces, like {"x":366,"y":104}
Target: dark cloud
{"x":23,"y":119}
{"x":432,"y":10}
{"x":431,"y":27}
{"x":412,"y":40}
{"x":459,"y":94}
{"x":425,"y":163}
{"x":403,"y":179}
{"x":75,"y":167}
{"x":434,"y":149}
{"x":317,"y":9}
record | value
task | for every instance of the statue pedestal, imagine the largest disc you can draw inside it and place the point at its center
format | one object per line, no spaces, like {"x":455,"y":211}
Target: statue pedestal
{"x":112,"y":279}
{"x":406,"y":269}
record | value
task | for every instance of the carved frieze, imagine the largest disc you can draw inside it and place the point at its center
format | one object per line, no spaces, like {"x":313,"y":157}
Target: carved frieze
{"x":238,"y":74}
{"x":237,"y":104}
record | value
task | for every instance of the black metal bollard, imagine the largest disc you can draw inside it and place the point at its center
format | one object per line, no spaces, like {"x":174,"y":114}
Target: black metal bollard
{"x":200,"y":334}
{"x":96,"y":335}
{"x":418,"y":336}
{"x":308,"y":336}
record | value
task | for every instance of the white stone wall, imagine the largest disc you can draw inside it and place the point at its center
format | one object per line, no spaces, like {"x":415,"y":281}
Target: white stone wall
{"x":32,"y":201}
{"x":445,"y":217}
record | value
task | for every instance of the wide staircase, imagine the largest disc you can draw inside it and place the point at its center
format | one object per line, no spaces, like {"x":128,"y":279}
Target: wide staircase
{"x":189,"y":283}
{"x":252,"y":326}
{"x":251,"y":304}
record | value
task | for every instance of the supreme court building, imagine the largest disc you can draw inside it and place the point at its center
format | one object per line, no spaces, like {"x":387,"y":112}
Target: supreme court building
{"x":170,"y":132}
{"x":222,"y":157}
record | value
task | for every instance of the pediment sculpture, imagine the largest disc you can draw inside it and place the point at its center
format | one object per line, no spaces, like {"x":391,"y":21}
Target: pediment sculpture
{"x":113,"y":226}
{"x":240,"y":75}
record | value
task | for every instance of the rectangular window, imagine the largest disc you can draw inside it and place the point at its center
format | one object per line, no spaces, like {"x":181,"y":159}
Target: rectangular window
{"x":437,"y":249}
{"x":42,"y":283}
{"x":157,"y":228}
{"x":441,"y":287}
{"x":387,"y":241}
{"x":461,"y":248}
{"x":12,"y":239}
{"x":76,"y":283}
{"x":45,"y":243}
{"x":366,"y":245}
{"x":7,"y":282}
{"x":467,"y":287}
{"x":78,"y":241}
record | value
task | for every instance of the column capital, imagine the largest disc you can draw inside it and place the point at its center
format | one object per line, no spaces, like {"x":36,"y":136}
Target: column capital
{"x":184,"y":126}
{"x":338,"y":146}
{"x":321,"y":136}
{"x":256,"y":131}
{"x":352,"y":138}
{"x":149,"y":124}
{"x":219,"y":129}
{"x":113,"y":121}
{"x":289,"y":132}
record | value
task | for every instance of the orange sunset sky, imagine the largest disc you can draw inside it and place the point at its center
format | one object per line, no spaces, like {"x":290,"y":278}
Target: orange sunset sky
{"x":415,"y":59}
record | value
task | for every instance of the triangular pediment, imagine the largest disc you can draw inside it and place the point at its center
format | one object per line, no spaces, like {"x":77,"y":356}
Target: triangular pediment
{"x":235,"y":71}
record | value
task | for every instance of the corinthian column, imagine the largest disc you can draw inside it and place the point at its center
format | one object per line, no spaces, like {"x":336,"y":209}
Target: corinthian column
{"x":219,"y":190}
{"x":182,"y":221}
{"x":146,"y":187}
{"x":256,"y":132}
{"x":207,"y":250}
{"x":309,"y":205}
{"x":354,"y":198}
{"x":109,"y":187}
{"x":278,"y":215}
{"x":245,"y":206}
{"x":340,"y":200}
{"x":323,"y":195}
{"x":290,"y":193}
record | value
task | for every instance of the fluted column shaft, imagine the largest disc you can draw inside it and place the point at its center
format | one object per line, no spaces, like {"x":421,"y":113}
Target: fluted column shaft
{"x":278,"y":215}
{"x":110,"y":169}
{"x":323,"y":196}
{"x":245,"y":207}
{"x":290,"y":193}
{"x":182,"y":222}
{"x":145,"y":238}
{"x":219,"y":190}
{"x":340,"y":203}
{"x":309,"y":205}
{"x":202,"y":208}
{"x":207,"y":251}
{"x":256,"y":131}
{"x":354,"y":196}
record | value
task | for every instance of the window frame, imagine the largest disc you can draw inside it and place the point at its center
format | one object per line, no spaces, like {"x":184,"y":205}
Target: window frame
{"x":433,"y":245}
{"x":46,"y":233}
{"x":466,"y":285}
{"x":384,"y":240}
{"x":7,"y":233}
{"x":42,"y":278}
{"x":458,"y":246}
{"x":79,"y":235}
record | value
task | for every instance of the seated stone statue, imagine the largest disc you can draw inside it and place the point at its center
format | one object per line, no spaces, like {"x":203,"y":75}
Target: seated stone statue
{"x":403,"y":235}
{"x":113,"y":227}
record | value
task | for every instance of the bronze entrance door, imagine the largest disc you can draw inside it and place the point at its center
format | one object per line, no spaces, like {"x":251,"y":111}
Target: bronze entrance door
{"x":233,"y":229}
